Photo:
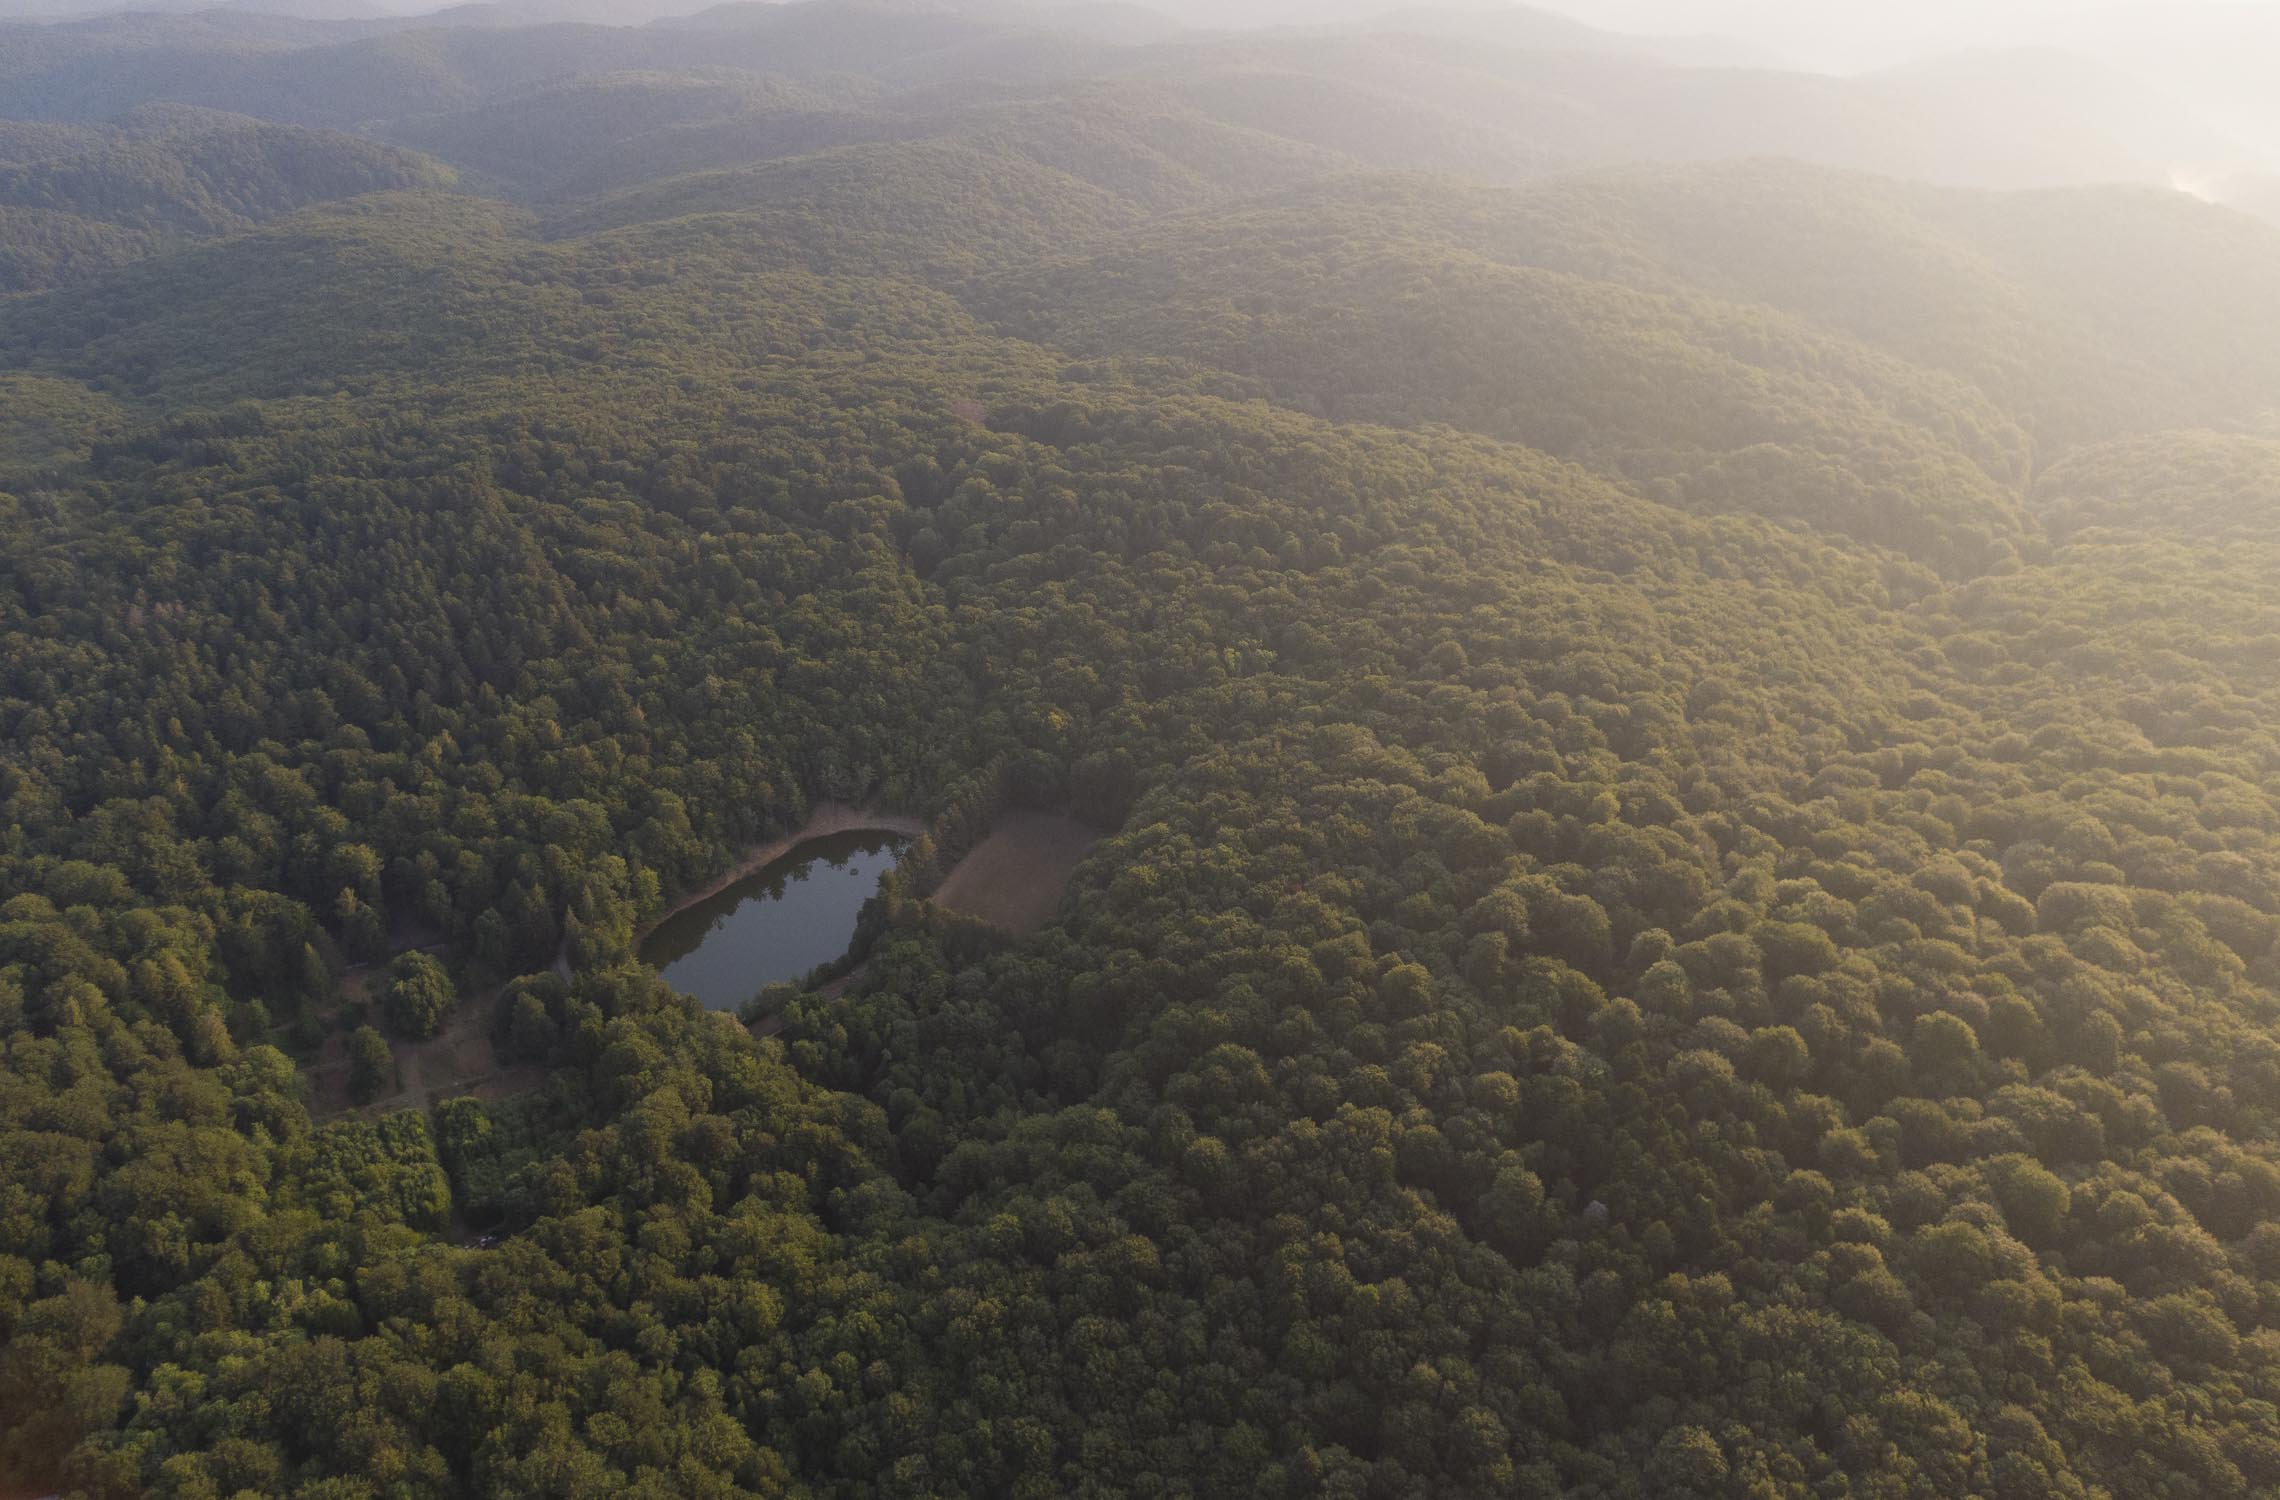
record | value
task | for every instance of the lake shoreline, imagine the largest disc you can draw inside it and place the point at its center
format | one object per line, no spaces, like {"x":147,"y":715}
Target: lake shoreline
{"x":826,"y":819}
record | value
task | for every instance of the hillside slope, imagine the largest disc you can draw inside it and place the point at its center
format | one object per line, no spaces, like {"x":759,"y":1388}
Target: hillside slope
{"x":177,"y":175}
{"x":1686,"y":762}
{"x":1385,"y":317}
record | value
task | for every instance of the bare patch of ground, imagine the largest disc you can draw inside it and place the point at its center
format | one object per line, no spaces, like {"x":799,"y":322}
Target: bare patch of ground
{"x":457,"y":1060}
{"x":1014,"y":879}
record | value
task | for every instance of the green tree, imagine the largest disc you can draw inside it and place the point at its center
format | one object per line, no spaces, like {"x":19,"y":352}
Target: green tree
{"x":371,"y":1065}
{"x":416,"y":996}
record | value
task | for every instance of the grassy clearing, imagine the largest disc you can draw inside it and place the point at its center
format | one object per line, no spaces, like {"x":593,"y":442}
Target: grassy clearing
{"x":1014,"y":878}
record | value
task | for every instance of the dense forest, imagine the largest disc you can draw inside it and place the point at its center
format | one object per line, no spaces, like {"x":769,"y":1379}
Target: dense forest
{"x":1689,"y":747}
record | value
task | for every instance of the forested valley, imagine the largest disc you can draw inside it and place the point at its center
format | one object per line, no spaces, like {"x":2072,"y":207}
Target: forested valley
{"x":1688,"y":744}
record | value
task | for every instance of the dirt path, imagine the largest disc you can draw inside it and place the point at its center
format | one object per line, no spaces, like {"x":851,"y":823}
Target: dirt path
{"x":411,"y":1087}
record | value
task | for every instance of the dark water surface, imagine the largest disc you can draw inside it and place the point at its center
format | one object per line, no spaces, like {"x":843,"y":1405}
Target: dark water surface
{"x":776,"y":923}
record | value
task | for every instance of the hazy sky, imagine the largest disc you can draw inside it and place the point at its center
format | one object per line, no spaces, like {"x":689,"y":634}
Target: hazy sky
{"x":1863,"y":33}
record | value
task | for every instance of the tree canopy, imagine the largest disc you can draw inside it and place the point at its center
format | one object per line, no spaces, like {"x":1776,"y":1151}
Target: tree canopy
{"x":1690,"y":760}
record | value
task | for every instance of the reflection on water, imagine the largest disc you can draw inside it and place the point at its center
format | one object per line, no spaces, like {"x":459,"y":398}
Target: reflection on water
{"x":777,"y":923}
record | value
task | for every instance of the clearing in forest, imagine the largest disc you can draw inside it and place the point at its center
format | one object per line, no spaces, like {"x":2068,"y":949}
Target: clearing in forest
{"x":1014,"y":878}
{"x":458,"y":1060}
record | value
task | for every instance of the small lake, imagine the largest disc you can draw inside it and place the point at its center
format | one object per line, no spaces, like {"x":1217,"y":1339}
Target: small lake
{"x":776,"y":923}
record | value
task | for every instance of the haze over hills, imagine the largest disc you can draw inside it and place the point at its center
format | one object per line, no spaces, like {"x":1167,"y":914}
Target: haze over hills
{"x":2074,"y":109}
{"x":1579,"y":739}
{"x":2218,"y":54}
{"x":1502,"y":92}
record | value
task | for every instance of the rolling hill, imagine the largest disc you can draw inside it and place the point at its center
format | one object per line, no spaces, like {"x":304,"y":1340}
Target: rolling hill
{"x":173,"y":175}
{"x":1671,"y":765}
